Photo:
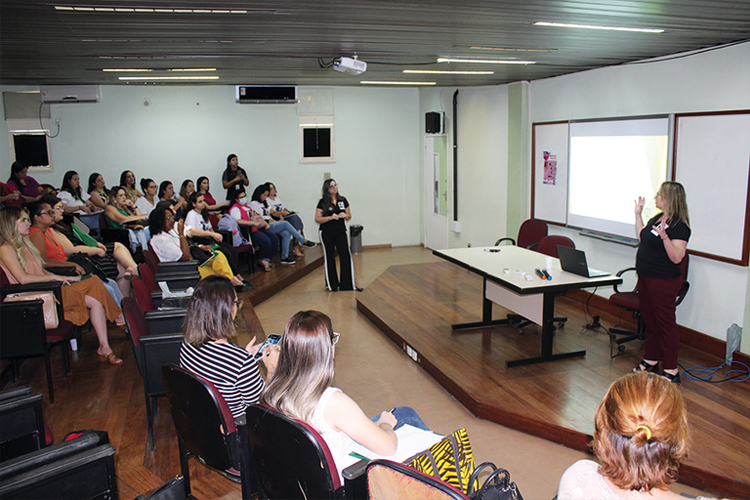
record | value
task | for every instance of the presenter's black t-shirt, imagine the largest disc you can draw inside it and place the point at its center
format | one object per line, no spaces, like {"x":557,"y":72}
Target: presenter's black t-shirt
{"x":652,"y":260}
{"x":333,"y":226}
{"x":230,"y":174}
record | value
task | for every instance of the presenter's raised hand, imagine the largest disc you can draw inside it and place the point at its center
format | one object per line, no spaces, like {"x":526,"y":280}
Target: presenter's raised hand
{"x":639,"y":203}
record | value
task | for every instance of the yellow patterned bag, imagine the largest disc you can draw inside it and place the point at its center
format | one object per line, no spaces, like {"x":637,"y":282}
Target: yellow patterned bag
{"x":450,"y":460}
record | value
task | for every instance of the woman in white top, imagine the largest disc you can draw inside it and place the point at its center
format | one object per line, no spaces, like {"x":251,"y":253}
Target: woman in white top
{"x":199,"y":229}
{"x":301,"y":388}
{"x":279,"y":211}
{"x":147,"y":203}
{"x":75,"y":199}
{"x":640,"y":437}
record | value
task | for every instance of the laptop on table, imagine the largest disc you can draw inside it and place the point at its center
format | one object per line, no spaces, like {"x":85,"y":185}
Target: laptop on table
{"x":574,"y":261}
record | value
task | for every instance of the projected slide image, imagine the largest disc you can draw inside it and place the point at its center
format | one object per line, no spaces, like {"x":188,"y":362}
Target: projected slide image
{"x":608,"y":172}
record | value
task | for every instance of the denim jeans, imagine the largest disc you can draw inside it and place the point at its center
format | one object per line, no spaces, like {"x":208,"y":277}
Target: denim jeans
{"x":405,"y":415}
{"x":287,"y":232}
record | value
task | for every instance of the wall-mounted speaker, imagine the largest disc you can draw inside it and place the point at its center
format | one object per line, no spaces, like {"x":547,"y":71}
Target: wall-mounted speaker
{"x":432,"y":122}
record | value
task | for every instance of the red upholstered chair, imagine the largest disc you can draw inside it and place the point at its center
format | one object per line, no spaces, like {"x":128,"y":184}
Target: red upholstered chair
{"x":166,"y":321}
{"x":387,"y":479}
{"x":629,"y":301}
{"x":28,"y":317}
{"x":530,"y":234}
{"x":206,"y":429}
{"x":152,"y":351}
{"x":548,"y":245}
{"x":293,"y":461}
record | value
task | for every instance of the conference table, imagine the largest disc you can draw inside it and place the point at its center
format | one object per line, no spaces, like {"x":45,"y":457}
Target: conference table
{"x":504,"y":272}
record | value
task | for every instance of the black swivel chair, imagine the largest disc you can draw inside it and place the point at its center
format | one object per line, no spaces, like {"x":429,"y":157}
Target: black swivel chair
{"x":629,"y":301}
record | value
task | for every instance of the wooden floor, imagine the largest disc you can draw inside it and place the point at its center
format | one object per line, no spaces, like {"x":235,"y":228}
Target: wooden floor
{"x":415,"y":305}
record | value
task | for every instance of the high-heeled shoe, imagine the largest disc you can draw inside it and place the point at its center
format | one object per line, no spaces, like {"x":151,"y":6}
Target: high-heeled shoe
{"x":110,"y":358}
{"x":646,"y":367}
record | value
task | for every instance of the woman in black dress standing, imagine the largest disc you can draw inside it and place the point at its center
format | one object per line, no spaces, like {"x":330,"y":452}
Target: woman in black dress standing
{"x":663,"y":244}
{"x":332,"y":213}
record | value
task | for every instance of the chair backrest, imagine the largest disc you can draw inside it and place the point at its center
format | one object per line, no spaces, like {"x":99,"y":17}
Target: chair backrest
{"x":685,"y":283}
{"x":142,"y":295}
{"x":21,"y":425}
{"x":152,"y":260}
{"x":201,"y":416}
{"x":531,"y":232}
{"x":3,"y":278}
{"x":548,"y":245}
{"x":387,"y":480}
{"x":26,"y":316}
{"x":147,"y":276}
{"x":214,"y":221}
{"x":291,"y":458}
{"x":136,"y":324}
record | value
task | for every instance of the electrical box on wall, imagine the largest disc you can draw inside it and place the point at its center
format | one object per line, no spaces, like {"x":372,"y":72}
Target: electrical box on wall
{"x":434,"y":122}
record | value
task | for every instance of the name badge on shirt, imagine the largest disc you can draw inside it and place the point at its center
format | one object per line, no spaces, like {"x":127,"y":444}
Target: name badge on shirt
{"x":341,"y":206}
{"x":655,"y":232}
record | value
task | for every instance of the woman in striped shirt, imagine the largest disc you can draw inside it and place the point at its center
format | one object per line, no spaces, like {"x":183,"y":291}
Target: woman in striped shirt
{"x":206,"y":351}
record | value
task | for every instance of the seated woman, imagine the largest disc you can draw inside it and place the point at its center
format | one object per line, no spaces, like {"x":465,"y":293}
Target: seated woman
{"x":186,"y":190}
{"x":640,"y":437}
{"x":20,"y":179}
{"x":98,"y":192}
{"x":206,"y":350}
{"x":198,"y":228}
{"x":77,"y":201}
{"x":127,"y":181}
{"x":301,"y":388}
{"x":202,"y":187}
{"x":111,"y":256}
{"x":279,"y":211}
{"x":257,"y":227}
{"x":122,"y":214}
{"x":82,"y":300}
{"x":148,"y":201}
{"x":54,"y":248}
{"x":282,"y":228}
{"x":166,"y":194}
{"x":171,"y":245}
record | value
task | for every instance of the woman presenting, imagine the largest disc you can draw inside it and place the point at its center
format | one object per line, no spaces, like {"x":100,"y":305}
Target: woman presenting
{"x":663,"y":243}
{"x":331,"y":213}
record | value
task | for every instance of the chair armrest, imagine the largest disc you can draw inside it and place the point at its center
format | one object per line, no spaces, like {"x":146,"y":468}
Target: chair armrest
{"x":355,"y":480}
{"x":117,"y":235}
{"x":683,"y":292}
{"x":15,"y":392}
{"x":619,"y":275}
{"x":183,"y":266}
{"x":50,"y":454}
{"x":44,"y":286}
{"x":164,"y":322}
{"x":226,"y":235}
{"x":179,"y":281}
{"x":156,"y":295}
{"x":512,"y":242}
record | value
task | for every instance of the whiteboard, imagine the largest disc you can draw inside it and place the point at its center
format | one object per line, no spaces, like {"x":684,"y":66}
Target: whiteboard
{"x":712,"y":161}
{"x":549,"y":186}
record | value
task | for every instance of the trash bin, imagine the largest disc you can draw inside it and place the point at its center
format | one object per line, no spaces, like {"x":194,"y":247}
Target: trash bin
{"x":356,"y":244}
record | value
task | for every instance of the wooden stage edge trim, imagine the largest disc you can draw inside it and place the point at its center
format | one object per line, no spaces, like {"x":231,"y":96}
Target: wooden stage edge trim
{"x":691,"y":476}
{"x":688,"y":336}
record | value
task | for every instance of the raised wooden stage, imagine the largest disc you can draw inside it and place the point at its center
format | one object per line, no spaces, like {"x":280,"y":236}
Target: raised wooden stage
{"x":415,"y":305}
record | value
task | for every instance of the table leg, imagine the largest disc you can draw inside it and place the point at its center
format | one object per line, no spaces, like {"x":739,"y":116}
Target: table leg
{"x":548,"y":336}
{"x":486,"y":314}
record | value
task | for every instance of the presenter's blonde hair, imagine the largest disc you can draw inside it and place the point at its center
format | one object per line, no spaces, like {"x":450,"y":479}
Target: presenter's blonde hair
{"x":675,"y":202}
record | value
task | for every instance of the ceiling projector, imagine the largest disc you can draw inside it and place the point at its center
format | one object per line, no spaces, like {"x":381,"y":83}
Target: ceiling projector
{"x":349,"y":66}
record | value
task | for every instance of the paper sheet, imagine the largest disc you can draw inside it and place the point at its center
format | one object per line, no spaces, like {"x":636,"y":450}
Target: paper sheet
{"x":411,"y":441}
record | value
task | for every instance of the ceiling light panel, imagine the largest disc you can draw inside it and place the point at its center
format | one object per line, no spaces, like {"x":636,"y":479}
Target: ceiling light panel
{"x":483,"y":61}
{"x":592,"y":27}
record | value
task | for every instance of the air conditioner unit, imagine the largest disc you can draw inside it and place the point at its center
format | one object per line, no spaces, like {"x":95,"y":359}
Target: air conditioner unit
{"x":253,"y":94}
{"x":59,"y":94}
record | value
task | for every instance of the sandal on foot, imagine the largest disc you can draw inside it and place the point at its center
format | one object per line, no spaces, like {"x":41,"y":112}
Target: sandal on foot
{"x":110,"y":358}
{"x":646,"y":367}
{"x":675,"y":379}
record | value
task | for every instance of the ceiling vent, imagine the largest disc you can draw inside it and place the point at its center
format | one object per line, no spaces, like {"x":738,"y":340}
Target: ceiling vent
{"x":252,"y":94}
{"x":60,"y":94}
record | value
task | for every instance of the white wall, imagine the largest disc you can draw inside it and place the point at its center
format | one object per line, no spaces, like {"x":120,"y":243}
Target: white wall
{"x":188,"y":131}
{"x":716,"y":80}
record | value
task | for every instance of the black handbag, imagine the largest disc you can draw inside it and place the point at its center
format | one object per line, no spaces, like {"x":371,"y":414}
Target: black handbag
{"x":63,"y":271}
{"x":497,"y":486}
{"x":199,"y":254}
{"x":174,"y":489}
{"x":88,"y":265}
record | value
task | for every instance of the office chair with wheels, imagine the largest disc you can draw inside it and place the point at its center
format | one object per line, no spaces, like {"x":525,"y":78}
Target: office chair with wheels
{"x":629,"y":301}
{"x":387,"y":479}
{"x":547,"y":246}
{"x":294,"y":462}
{"x":206,"y":429}
{"x":530,"y":234}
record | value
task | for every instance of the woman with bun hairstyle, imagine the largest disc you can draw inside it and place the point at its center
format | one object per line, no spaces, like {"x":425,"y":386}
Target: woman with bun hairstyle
{"x":332,"y":213}
{"x":641,"y":435}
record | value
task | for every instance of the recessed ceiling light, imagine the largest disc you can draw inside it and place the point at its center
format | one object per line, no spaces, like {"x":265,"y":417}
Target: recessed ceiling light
{"x":483,"y":61}
{"x":192,"y":69}
{"x":150,"y":78}
{"x":521,"y":50}
{"x":590,"y":27}
{"x":446,"y":72}
{"x":141,"y":10}
{"x":372,"y":82}
{"x":125,"y":70}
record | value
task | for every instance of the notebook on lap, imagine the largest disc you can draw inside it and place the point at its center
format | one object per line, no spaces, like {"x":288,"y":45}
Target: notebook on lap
{"x":574,"y":261}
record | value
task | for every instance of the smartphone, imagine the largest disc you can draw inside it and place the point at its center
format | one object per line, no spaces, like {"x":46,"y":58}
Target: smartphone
{"x":272,"y":339}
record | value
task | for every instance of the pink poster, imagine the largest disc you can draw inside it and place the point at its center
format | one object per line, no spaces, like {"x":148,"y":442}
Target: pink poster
{"x":550,"y":168}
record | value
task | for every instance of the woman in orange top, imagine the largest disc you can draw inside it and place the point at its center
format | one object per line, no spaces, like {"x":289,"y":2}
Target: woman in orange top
{"x":82,"y":300}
